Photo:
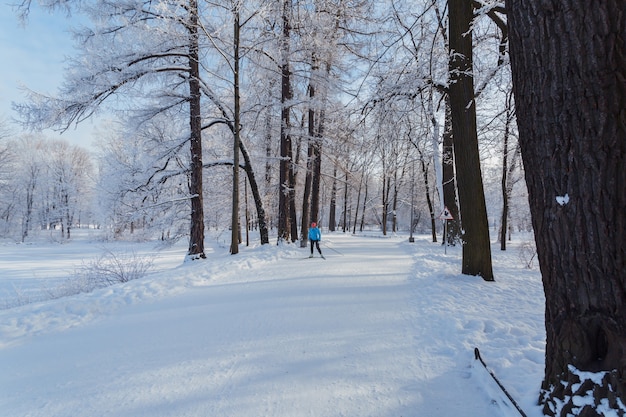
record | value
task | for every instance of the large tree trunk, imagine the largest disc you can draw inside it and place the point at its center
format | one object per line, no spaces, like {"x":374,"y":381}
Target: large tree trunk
{"x":234,"y":224}
{"x":476,"y":244}
{"x":285,"y":174}
{"x":268,"y":191}
{"x":196,"y":235}
{"x":569,"y":75}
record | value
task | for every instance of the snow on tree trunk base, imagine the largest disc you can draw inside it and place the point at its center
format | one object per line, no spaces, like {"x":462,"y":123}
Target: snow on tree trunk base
{"x":586,"y":394}
{"x":194,"y":257}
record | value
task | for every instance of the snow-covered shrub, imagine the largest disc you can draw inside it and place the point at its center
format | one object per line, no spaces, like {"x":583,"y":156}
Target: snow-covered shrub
{"x":528,"y":253}
{"x":113,"y":268}
{"x":71,"y":286}
{"x":107,"y":269}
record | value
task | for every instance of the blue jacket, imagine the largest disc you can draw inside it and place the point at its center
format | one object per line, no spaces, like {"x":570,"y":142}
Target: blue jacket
{"x":315,"y":234}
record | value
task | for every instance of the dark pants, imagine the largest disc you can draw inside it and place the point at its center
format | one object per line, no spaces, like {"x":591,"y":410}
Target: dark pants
{"x":317,"y":244}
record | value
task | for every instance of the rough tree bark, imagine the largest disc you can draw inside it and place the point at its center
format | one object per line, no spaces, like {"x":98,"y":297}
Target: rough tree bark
{"x":196,"y":234}
{"x":476,"y":244}
{"x":569,"y":76}
{"x":286,"y":169}
{"x":234,"y":224}
{"x":268,"y":191}
{"x":449,"y":183}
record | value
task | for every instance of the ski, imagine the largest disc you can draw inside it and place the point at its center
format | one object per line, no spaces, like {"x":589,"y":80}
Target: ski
{"x":479,"y":358}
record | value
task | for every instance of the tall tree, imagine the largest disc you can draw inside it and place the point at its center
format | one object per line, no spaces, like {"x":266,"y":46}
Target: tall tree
{"x":196,"y":234}
{"x":449,"y":187}
{"x":310,"y":160}
{"x":234,"y":223}
{"x":476,"y":244}
{"x":332,"y":210}
{"x":7,"y":194}
{"x":449,"y":180}
{"x":317,"y":171}
{"x":30,"y":169}
{"x":123,"y":55}
{"x":569,"y":75}
{"x":429,"y":201}
{"x":285,"y":193}
{"x":509,"y":162}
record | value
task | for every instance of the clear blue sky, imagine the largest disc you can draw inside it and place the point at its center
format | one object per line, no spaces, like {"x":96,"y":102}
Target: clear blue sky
{"x":34,"y":56}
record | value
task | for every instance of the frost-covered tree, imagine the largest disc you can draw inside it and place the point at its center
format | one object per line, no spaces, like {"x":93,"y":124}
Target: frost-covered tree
{"x":49,"y":186}
{"x":286,"y":181}
{"x":331,"y":32}
{"x":68,"y":173}
{"x":28,"y":179}
{"x":21,"y":162}
{"x":140,"y":58}
{"x":147,"y":57}
{"x":7,"y":196}
{"x":233,"y":51}
{"x":139,"y":191}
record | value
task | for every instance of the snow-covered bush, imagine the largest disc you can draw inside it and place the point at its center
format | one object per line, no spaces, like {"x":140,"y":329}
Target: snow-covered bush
{"x":113,"y":268}
{"x":528,"y":253}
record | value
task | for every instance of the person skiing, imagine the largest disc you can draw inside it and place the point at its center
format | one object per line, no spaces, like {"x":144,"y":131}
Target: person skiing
{"x":315,"y":236}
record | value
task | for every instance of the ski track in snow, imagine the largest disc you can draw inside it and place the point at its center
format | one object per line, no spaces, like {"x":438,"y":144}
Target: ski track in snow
{"x":381,"y":328}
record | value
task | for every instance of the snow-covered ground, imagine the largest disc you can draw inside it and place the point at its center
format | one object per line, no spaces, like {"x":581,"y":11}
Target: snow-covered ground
{"x":383,"y":327}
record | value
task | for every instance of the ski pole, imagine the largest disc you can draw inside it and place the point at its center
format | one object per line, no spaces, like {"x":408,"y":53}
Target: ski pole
{"x":478,"y":357}
{"x":328,"y":247}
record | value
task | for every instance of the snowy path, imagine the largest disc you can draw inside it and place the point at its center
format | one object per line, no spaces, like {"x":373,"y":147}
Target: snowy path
{"x":365,"y":333}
